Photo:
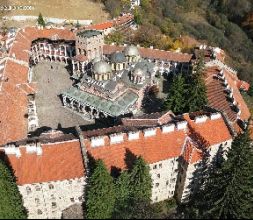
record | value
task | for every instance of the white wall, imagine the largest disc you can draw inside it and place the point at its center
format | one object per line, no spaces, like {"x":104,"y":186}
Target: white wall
{"x":226,"y":145}
{"x":64,"y":194}
{"x":164,"y":177}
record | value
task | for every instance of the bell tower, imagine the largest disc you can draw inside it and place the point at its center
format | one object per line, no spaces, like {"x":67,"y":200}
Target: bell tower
{"x":90,"y":43}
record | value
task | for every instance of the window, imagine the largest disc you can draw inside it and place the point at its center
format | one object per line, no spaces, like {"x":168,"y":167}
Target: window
{"x":28,"y":190}
{"x":167,"y":183}
{"x":173,"y":180}
{"x":157,"y":185}
{"x":72,"y":199}
{"x":226,"y":143}
{"x":39,"y":212}
{"x":154,"y":167}
{"x":54,"y":205}
{"x":80,"y":199}
{"x":51,"y":186}
{"x":160,"y":165}
{"x":37,"y":188}
{"x":37,"y":201}
{"x":158,"y":176}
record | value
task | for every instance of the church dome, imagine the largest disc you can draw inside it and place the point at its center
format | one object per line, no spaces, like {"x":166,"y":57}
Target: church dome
{"x":118,"y":57}
{"x":102,"y":67}
{"x":131,"y":51}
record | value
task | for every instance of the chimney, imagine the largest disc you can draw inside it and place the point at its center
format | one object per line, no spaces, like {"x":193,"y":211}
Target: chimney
{"x":200,"y":119}
{"x":97,"y":141}
{"x":182,"y":125}
{"x":133,"y":135}
{"x":168,"y":128}
{"x":215,"y":116}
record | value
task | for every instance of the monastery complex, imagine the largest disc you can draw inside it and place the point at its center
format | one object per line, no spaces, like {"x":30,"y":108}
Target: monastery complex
{"x":108,"y":82}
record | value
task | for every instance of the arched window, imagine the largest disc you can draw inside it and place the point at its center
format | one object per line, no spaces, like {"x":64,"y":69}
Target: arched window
{"x":51,"y":186}
{"x":37,"y":201}
{"x":39,"y":212}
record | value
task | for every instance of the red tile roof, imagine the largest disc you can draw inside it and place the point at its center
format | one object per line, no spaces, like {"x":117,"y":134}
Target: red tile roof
{"x":13,"y":102}
{"x":160,"y":147}
{"x":243,"y":85}
{"x":121,"y":20}
{"x":191,"y":153}
{"x":14,"y":87}
{"x":210,"y":132}
{"x":152,"y":149}
{"x":59,"y":161}
{"x":153,"y":53}
{"x":102,"y":26}
{"x":217,"y":97}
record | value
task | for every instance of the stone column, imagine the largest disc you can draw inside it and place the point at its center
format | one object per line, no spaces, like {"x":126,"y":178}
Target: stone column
{"x":91,"y":113}
{"x":83,"y":65}
{"x":64,"y":100}
{"x":72,"y":103}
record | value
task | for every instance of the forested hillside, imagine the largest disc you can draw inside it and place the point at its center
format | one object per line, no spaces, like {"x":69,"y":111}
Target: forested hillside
{"x":224,"y":23}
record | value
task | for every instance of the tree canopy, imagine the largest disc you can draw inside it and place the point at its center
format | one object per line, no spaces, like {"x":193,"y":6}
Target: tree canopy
{"x":100,"y":193}
{"x":41,"y":21}
{"x":227,"y":192}
{"x":11,"y":204}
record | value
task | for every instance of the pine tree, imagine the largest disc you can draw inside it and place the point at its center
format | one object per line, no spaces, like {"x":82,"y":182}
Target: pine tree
{"x":133,"y":192}
{"x":11,"y":206}
{"x":228,"y":191}
{"x":100,"y":194}
{"x":197,"y":97}
{"x":140,"y":181}
{"x":41,"y":21}
{"x":122,"y":189}
{"x":176,"y":97}
{"x":78,"y":25}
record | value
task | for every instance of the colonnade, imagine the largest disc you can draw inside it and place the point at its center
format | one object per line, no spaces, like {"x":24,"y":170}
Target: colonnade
{"x":84,"y":109}
{"x":46,"y":51}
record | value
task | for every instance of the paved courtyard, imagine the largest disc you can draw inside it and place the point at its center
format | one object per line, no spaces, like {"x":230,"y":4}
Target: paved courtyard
{"x":52,"y":79}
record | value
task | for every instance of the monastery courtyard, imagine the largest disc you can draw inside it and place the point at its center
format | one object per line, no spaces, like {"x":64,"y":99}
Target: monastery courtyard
{"x":52,"y":79}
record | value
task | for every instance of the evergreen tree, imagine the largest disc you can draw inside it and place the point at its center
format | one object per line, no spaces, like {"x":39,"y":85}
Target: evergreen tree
{"x":133,"y":193}
{"x":197,"y":98}
{"x":78,"y":25}
{"x":250,"y":92}
{"x":140,"y":181}
{"x":41,"y":21}
{"x":176,"y":98}
{"x":228,"y":191}
{"x":100,"y":194}
{"x":122,"y":190}
{"x":11,"y":206}
{"x":137,"y":16}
